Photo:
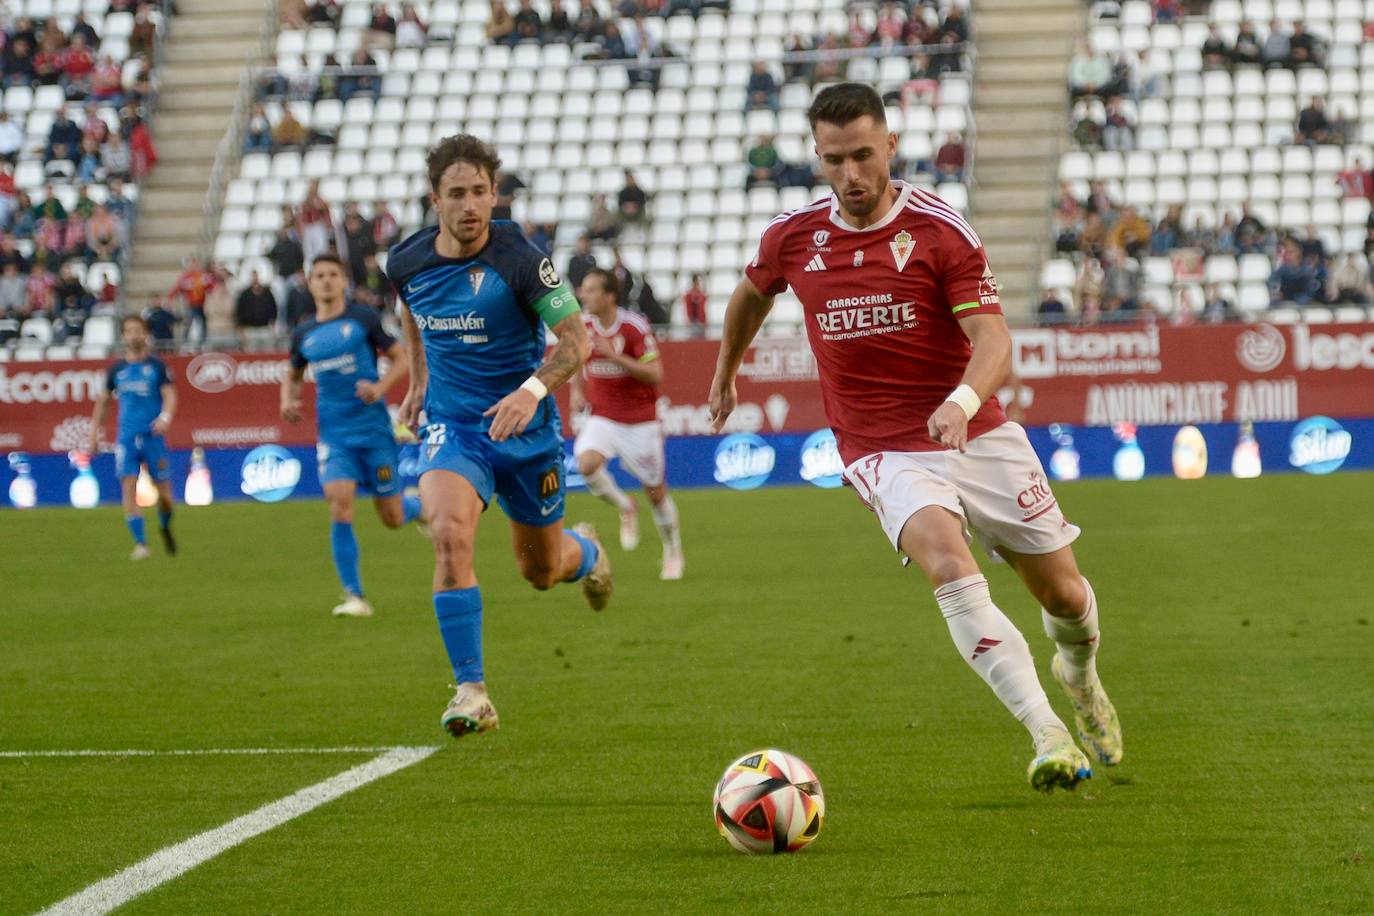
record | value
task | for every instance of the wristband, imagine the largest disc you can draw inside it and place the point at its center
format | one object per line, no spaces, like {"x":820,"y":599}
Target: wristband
{"x":535,"y":387}
{"x":967,"y":399}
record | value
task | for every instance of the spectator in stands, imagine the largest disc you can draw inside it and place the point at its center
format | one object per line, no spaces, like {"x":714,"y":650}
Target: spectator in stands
{"x":1304,"y":48}
{"x":603,"y":224}
{"x":792,"y":71}
{"x":314,"y":223}
{"x":507,"y":185}
{"x":360,"y":76}
{"x":1313,"y":126}
{"x":623,"y":274}
{"x":612,"y":44}
{"x":286,"y":258}
{"x":1251,"y":233}
{"x":1248,"y":50}
{"x":120,"y":207}
{"x":765,"y":165}
{"x":373,"y":288}
{"x":1312,"y":245}
{"x":1215,"y":54}
{"x":761,"y":90}
{"x":829,"y":66}
{"x":138,"y":87}
{"x":258,"y":139}
{"x":1131,"y":233}
{"x":1147,"y":78}
{"x":950,"y":159}
{"x":1274,"y":53}
{"x":292,"y":13}
{"x":7,"y":198}
{"x":51,"y":206}
{"x":694,"y":304}
{"x":1051,"y":309}
{"x":1293,"y":279}
{"x":162,"y":324}
{"x":946,"y":57}
{"x":14,"y":297}
{"x":1200,"y":236}
{"x":141,"y":149}
{"x":107,"y":82}
{"x":299,"y":303}
{"x":1167,"y":10}
{"x":632,"y":202}
{"x":1216,"y":306}
{"x":219,"y":310}
{"x":587,"y":26}
{"x":381,"y":29}
{"x":1087,"y":131}
{"x":143,"y":36}
{"x":289,"y":133}
{"x":1343,"y":129}
{"x":1168,"y":234}
{"x":1089,"y":71}
{"x":255,"y":312}
{"x":104,"y":236}
{"x":1356,"y":182}
{"x":529,"y":25}
{"x":358,"y":242}
{"x":581,"y":262}
{"x":641,"y":45}
{"x":1121,"y":280}
{"x":193,"y":287}
{"x":63,"y":135}
{"x":77,"y":63}
{"x":325,"y":13}
{"x":88,"y":165}
{"x":71,"y":303}
{"x":558,"y":27}
{"x":117,"y":158}
{"x":18,"y":63}
{"x":38,"y":289}
{"x":11,"y":138}
{"x":1349,"y":282}
{"x":385,"y":227}
{"x":411,"y":31}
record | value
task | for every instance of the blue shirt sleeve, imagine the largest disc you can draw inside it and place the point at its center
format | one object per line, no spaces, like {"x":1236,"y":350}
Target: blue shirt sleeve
{"x":297,"y":358}
{"x":377,"y":336}
{"x":111,"y":382}
{"x":164,"y":375}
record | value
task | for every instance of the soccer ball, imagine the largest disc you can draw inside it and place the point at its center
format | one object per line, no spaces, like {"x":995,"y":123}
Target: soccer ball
{"x":769,"y":801}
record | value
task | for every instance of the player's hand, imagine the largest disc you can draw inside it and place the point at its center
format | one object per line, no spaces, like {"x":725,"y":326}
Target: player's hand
{"x":161,"y":425}
{"x":603,"y":347}
{"x":949,"y":427}
{"x":291,"y":411}
{"x":368,"y":392}
{"x":511,"y":414}
{"x":577,"y":400}
{"x":409,"y":414}
{"x":723,"y":400}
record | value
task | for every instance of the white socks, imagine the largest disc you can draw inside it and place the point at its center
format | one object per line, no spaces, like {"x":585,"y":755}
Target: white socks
{"x":602,"y":484}
{"x":995,"y":649}
{"x":665,"y":519}
{"x":1077,"y":642}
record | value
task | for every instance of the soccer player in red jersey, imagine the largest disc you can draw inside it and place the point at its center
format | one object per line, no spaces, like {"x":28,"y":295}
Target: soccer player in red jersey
{"x":903,"y":315}
{"x":619,"y":389}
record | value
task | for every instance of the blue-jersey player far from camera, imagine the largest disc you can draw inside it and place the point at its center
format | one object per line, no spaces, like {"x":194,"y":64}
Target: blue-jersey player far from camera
{"x":476,"y":296}
{"x":147,"y":401}
{"x":356,"y":447}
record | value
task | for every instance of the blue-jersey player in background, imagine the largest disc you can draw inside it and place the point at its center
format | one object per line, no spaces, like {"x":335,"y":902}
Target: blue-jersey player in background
{"x":147,"y":400}
{"x":476,"y":296}
{"x":356,"y":447}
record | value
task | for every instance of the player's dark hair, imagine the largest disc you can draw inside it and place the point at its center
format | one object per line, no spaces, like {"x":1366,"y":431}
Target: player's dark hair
{"x":327,"y":257}
{"x":460,"y":148}
{"x":846,"y":102}
{"x":608,"y":280}
{"x":133,"y":317}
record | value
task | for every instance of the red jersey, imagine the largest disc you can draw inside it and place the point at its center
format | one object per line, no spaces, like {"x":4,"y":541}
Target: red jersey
{"x":611,"y":391}
{"x":882,"y":308}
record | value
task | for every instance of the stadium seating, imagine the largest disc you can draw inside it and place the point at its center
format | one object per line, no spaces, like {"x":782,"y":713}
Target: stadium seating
{"x":1215,"y":139}
{"x":569,"y":129}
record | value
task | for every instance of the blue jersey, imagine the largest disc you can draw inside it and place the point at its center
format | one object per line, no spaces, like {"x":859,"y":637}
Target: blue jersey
{"x":138,"y":386}
{"x":479,"y":318}
{"x":342,"y":352}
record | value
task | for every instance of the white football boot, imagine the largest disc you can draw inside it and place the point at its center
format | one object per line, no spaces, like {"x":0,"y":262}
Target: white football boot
{"x":353,"y":606}
{"x":470,"y":711}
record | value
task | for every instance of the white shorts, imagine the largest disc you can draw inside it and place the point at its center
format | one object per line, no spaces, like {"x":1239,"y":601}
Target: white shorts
{"x":998,"y":487}
{"x":639,"y":446}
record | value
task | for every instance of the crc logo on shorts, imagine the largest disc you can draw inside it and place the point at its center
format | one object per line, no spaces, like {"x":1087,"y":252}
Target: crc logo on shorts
{"x":547,"y":275}
{"x":744,"y":461}
{"x":270,"y":474}
{"x":549,"y":483}
{"x":1036,"y":499}
{"x":820,"y":460}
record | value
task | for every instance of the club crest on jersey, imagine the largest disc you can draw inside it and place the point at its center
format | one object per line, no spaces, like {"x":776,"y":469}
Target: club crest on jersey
{"x":475,"y":277}
{"x":821,"y":237}
{"x":902,"y":245}
{"x":859,"y":258}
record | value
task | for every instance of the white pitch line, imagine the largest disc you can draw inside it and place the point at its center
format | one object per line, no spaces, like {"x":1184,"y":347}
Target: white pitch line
{"x":173,"y":861}
{"x":207,"y":752}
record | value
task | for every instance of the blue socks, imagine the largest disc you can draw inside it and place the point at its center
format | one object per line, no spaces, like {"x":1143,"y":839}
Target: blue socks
{"x":164,"y":518}
{"x":135,"y":523}
{"x":411,"y":506}
{"x":460,"y":624}
{"x":589,"y":555}
{"x":345,"y":547}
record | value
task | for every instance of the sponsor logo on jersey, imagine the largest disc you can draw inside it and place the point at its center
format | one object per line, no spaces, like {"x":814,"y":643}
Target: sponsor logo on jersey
{"x":547,"y":275}
{"x":346,"y":331}
{"x":345,"y":363}
{"x":902,"y":246}
{"x":814,"y":264}
{"x":1319,"y":445}
{"x":475,"y":277}
{"x":987,"y":288}
{"x":821,"y":237}
{"x":469,"y":321}
{"x":863,"y":316}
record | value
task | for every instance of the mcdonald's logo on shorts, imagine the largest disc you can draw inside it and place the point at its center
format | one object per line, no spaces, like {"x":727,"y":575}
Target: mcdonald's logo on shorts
{"x":549,"y":483}
{"x":384,"y":474}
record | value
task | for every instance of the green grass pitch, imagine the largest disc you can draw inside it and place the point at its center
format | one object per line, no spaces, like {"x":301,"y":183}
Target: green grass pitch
{"x":1237,"y":645}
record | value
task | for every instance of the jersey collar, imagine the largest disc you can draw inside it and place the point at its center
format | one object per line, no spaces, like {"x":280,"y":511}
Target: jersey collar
{"x":604,"y":331}
{"x":903,"y":195}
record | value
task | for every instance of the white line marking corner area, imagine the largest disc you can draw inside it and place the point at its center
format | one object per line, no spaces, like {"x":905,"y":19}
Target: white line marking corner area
{"x":173,"y":861}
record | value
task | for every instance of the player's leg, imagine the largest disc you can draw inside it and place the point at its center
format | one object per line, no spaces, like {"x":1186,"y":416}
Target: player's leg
{"x":641,"y":452}
{"x":455,"y":505}
{"x":394,"y":508}
{"x":593,"y":449}
{"x":133,"y":515}
{"x":989,"y":642}
{"x":155,"y":454}
{"x":340,"y":493}
{"x":1069,"y":612}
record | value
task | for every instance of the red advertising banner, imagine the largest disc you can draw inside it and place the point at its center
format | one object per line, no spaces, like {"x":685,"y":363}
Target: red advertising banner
{"x":1081,"y":376}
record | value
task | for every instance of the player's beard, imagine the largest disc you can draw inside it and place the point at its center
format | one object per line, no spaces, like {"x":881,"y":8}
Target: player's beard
{"x":861,"y":207}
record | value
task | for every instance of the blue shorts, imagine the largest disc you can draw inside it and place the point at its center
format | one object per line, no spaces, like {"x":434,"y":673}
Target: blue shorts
{"x":373,"y":467}
{"x":525,"y":472}
{"x":143,"y":448}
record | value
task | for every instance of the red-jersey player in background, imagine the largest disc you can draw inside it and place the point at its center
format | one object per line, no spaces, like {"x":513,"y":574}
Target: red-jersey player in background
{"x":619,"y":389}
{"x":903,"y":315}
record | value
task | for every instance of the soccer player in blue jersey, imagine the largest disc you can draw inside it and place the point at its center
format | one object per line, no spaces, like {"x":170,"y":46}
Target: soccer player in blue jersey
{"x":474,"y":293}
{"x":357,"y":448}
{"x":147,"y":400}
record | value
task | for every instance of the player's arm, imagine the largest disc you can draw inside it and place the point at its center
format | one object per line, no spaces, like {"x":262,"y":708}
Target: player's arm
{"x":291,"y":394}
{"x":371,"y":392}
{"x":512,"y":414}
{"x":98,"y":413}
{"x":987,"y":368}
{"x":644,"y":366}
{"x":169,"y":409}
{"x":419,"y":369}
{"x":577,"y":393}
{"x":743,"y":317}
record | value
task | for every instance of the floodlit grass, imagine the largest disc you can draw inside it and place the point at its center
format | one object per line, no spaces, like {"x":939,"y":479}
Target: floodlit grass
{"x":1237,"y":644}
